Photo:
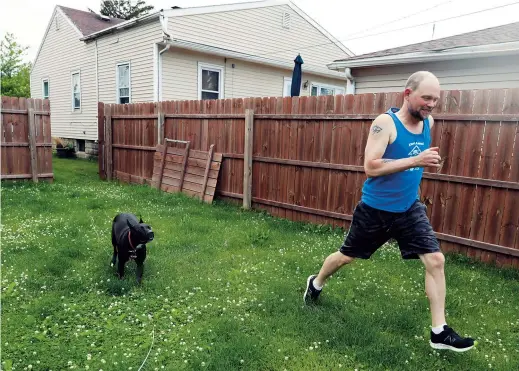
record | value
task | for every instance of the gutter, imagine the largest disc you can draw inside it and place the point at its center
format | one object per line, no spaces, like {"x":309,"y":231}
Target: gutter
{"x":492,"y":50}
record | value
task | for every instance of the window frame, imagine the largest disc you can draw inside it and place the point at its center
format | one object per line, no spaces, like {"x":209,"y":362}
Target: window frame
{"x":43,"y":81}
{"x":215,"y":68}
{"x":319,"y":86}
{"x":117,"y":93}
{"x":74,"y":108}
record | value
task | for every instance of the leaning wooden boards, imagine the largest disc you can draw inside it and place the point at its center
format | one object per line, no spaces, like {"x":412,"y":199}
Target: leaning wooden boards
{"x":195,"y":177}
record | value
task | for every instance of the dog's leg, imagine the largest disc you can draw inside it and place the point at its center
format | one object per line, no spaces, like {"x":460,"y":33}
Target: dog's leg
{"x":122,"y":263}
{"x":114,"y":243}
{"x":141,"y":256}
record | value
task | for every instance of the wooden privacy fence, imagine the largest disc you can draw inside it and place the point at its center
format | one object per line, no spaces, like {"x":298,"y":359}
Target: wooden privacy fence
{"x":26,"y":139}
{"x":306,"y":158}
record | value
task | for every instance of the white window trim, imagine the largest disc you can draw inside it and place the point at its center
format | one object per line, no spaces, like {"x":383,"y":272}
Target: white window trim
{"x":286,"y":93}
{"x":326,"y":86}
{"x":211,"y":67}
{"x":129,"y":80}
{"x":72,"y":91}
{"x":43,"y":81}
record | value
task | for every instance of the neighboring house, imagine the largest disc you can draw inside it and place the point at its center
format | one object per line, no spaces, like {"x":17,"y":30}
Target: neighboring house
{"x":211,"y":52}
{"x":483,"y":59}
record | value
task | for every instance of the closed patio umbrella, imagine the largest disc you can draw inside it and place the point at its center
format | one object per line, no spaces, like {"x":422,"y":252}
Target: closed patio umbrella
{"x":296,"y":77}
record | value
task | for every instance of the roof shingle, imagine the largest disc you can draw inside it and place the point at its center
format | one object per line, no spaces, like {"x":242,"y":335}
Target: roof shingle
{"x":88,"y":22}
{"x":494,"y":35}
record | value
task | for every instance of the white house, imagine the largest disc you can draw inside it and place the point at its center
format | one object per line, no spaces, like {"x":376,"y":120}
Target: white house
{"x":210,"y":52}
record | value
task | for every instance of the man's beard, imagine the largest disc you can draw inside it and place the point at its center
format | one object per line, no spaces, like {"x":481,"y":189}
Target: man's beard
{"x":416,"y":114}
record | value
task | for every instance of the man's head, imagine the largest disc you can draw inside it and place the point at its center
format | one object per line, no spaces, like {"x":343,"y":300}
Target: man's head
{"x":421,"y":94}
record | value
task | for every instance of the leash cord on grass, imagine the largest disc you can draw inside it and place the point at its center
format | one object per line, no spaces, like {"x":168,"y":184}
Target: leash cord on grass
{"x":151,"y":346}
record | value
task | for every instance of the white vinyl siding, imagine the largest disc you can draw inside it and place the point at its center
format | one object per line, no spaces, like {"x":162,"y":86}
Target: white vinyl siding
{"x":481,"y":73}
{"x":61,"y":54}
{"x":246,"y":79}
{"x":260,"y":32}
{"x":123,"y":83}
{"x":135,"y":46}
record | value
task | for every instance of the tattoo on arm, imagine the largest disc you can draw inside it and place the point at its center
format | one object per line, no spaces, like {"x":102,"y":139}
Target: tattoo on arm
{"x":384,"y":160}
{"x":376,"y":129}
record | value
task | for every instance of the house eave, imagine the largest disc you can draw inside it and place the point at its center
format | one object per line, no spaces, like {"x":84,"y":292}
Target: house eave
{"x":489,"y":50}
{"x":287,"y":65}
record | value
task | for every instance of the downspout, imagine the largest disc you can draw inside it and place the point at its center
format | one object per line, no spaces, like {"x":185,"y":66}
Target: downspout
{"x":166,"y":36}
{"x":350,"y":83}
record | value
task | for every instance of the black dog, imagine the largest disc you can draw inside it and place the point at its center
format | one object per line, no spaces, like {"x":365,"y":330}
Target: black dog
{"x":129,"y":238}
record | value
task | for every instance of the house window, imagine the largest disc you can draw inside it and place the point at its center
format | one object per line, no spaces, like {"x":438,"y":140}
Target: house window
{"x":81,"y":145}
{"x":45,"y":88}
{"x":319,"y":89}
{"x":123,"y":83}
{"x":210,"y":81}
{"x":76,"y":91}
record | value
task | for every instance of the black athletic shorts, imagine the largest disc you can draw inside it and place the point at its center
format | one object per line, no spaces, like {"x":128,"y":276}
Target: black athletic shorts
{"x":371,"y":228}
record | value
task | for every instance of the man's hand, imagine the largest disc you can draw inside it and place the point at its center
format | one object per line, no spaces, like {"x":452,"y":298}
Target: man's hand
{"x":429,"y":157}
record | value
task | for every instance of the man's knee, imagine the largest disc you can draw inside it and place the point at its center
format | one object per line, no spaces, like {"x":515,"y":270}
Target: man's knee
{"x":343,"y":259}
{"x":434,"y":261}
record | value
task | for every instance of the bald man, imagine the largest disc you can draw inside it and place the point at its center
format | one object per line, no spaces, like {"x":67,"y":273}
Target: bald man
{"x":397,"y":151}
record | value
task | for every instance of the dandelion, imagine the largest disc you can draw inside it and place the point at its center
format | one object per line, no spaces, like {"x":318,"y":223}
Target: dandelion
{"x":89,"y":357}
{"x":241,"y":361}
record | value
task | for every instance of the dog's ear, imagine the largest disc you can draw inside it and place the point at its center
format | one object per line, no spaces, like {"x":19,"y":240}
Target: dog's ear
{"x":130,"y":224}
{"x":140,"y":219}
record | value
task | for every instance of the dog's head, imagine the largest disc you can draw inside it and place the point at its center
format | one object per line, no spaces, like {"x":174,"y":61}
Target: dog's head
{"x":141,"y":231}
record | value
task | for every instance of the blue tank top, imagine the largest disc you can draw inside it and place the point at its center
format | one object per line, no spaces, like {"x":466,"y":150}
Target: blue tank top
{"x":398,"y":191}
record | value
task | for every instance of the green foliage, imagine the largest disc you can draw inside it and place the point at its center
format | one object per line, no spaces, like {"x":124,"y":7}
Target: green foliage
{"x":14,"y":72}
{"x":124,"y":9}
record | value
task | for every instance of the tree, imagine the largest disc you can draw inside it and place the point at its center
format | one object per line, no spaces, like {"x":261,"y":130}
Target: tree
{"x":14,"y":72}
{"x":124,"y":9}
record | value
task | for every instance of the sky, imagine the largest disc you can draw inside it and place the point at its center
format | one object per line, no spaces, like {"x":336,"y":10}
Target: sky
{"x":362,"y":26}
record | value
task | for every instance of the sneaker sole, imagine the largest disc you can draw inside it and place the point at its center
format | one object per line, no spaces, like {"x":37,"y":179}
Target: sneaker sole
{"x":449,"y":347}
{"x":307,"y":287}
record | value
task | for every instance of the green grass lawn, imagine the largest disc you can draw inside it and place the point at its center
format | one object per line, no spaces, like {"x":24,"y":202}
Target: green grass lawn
{"x":222,"y":290}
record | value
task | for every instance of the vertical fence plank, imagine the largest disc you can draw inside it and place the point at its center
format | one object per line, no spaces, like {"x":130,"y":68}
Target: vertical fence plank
{"x":32,"y":144}
{"x":108,"y":142}
{"x":247,"y":168}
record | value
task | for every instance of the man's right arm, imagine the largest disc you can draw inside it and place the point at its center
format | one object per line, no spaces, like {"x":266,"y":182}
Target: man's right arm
{"x":378,"y":140}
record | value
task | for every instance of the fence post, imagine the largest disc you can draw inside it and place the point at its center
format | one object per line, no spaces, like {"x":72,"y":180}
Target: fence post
{"x":32,"y":142}
{"x":101,"y":139}
{"x":108,"y":142}
{"x":247,"y":159}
